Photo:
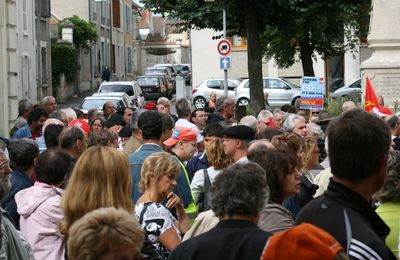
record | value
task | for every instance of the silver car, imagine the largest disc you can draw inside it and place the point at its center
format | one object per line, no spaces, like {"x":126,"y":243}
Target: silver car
{"x":278,"y":90}
{"x":131,"y":88}
{"x":351,"y":91}
{"x":97,"y":100}
{"x":201,"y":93}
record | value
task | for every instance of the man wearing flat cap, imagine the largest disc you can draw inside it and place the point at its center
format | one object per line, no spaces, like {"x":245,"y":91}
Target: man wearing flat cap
{"x":236,"y":142}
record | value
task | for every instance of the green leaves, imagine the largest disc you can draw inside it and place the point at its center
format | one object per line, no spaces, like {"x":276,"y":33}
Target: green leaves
{"x":84,"y":31}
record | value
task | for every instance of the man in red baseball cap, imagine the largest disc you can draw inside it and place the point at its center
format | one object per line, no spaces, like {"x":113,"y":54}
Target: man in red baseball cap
{"x":82,"y":124}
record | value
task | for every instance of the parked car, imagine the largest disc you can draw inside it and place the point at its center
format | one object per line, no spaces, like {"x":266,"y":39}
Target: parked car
{"x":351,"y":91}
{"x":97,"y":100}
{"x":201,"y":93}
{"x":129,"y":87}
{"x":168,"y":85}
{"x":152,"y":87}
{"x":278,"y":90}
{"x":171,"y":67}
{"x":184,"y":71}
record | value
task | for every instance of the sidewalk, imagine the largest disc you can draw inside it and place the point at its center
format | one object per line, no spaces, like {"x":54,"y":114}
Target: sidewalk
{"x":74,"y":101}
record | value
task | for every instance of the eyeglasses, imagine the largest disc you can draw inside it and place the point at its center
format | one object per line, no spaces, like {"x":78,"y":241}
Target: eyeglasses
{"x":4,"y":165}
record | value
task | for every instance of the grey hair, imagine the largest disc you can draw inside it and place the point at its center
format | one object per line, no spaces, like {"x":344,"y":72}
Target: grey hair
{"x":71,"y":114}
{"x":288,"y":125}
{"x":278,"y":111}
{"x":24,"y":106}
{"x":46,"y":100}
{"x":264,"y":114}
{"x":22,"y":153}
{"x":57,"y":114}
{"x":240,"y":189}
{"x":163,"y":100}
{"x":182,"y":107}
{"x":249,"y":121}
{"x":314,"y":129}
{"x":390,"y":191}
{"x":222,"y":102}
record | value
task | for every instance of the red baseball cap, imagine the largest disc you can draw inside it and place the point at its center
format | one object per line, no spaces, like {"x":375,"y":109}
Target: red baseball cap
{"x":305,"y":241}
{"x":82,"y":124}
{"x":150,"y":106}
{"x":181,"y":134}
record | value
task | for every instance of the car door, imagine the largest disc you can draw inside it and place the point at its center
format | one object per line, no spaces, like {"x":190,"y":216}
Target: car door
{"x":217,"y":86}
{"x":232,"y":85}
{"x":279,"y":93}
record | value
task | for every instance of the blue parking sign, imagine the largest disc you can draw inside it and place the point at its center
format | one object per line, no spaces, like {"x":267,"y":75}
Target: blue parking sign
{"x":225,"y":63}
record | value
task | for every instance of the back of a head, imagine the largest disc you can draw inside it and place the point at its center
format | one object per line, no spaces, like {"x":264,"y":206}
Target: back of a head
{"x":348,"y":105}
{"x":36,"y":114}
{"x":52,"y":166}
{"x":182,"y":107}
{"x":57,"y":114}
{"x":392,"y":121}
{"x":150,"y":124}
{"x":102,"y":232}
{"x":216,"y":156}
{"x":24,"y":106}
{"x":259,"y":145}
{"x":22,"y":153}
{"x":357,"y":142}
{"x":288,"y":142}
{"x":167,"y":122}
{"x":104,"y":137}
{"x":264,"y":114}
{"x":268,"y":133}
{"x":222,"y":102}
{"x":213,"y":130}
{"x":69,"y":136}
{"x":249,"y":121}
{"x":105,"y":183}
{"x":240,"y":189}
{"x":52,"y":134}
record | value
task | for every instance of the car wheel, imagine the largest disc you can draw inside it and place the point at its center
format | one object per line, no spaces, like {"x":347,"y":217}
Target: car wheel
{"x":199,"y":103}
{"x":243,"y":102}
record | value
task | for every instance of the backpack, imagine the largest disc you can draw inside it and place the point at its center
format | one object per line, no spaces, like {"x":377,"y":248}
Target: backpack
{"x":204,"y":201}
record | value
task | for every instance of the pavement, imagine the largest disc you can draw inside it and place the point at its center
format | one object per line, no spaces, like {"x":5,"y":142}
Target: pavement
{"x":74,"y":101}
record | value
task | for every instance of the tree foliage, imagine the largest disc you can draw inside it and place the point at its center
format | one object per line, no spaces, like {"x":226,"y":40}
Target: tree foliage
{"x":64,"y":60}
{"x":84,"y":32}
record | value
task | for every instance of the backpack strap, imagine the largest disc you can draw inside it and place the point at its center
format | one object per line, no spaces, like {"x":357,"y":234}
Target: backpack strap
{"x":207,"y":182}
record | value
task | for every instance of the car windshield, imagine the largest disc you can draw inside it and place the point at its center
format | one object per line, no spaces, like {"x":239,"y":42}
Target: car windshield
{"x":155,"y":71}
{"x":180,"y":68}
{"x":290,"y":83}
{"x":117,"y":88}
{"x":147,"y":81}
{"x":98,"y":103}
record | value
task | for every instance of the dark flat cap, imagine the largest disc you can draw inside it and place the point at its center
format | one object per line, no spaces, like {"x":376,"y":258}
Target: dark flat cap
{"x":241,"y":132}
{"x":126,"y":131}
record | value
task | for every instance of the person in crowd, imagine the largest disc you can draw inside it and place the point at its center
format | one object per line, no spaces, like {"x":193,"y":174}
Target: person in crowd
{"x":393,"y":122}
{"x":236,"y":142}
{"x":389,"y":197}
{"x":358,"y":149}
{"x":92,"y":114}
{"x":96,"y":125}
{"x":167,"y":128}
{"x":278,"y":118}
{"x":295,"y":124}
{"x":182,"y":145}
{"x":23,"y":153}
{"x":158,"y":179}
{"x":73,"y":142}
{"x":224,"y":110}
{"x":211,"y":103}
{"x":70,"y":113}
{"x":52,"y":136}
{"x":304,"y":241}
{"x":315,"y":131}
{"x":199,"y":118}
{"x":217,"y":161}
{"x":13,"y":244}
{"x":199,"y":161}
{"x":124,"y":135}
{"x":182,"y":107}
{"x":108,"y":109}
{"x":49,"y":104}
{"x":161,"y":108}
{"x":269,"y":133}
{"x":39,"y":206}
{"x":40,"y":140}
{"x":82,"y":124}
{"x":288,"y":109}
{"x":167,"y":104}
{"x":150,"y":125}
{"x":79,"y":113}
{"x":125,"y":113}
{"x":33,"y":128}
{"x":237,"y":197}
{"x":283,"y":179}
{"x":260,"y":145}
{"x":264,"y":121}
{"x":105,"y":137}
{"x":135,"y":141}
{"x":105,"y":233}
{"x":106,"y":183}
{"x":249,"y":121}
{"x":25,"y":107}
{"x":347,"y":106}
{"x":60,"y":115}
{"x":106,"y":74}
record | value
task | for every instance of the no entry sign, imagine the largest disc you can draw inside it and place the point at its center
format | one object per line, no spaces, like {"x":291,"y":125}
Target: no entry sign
{"x":224,"y":47}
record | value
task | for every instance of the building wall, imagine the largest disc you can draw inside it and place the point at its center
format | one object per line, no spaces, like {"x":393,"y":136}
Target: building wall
{"x":67,"y":8}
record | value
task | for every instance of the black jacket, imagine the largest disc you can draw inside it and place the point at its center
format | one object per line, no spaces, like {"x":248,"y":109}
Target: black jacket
{"x":351,"y":220}
{"x":228,"y":240}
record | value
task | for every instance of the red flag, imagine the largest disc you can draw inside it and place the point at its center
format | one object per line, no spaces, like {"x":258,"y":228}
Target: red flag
{"x":271,"y":123}
{"x":370,"y":98}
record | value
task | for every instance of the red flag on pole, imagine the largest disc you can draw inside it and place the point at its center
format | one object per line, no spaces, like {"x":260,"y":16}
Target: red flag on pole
{"x":371,"y":101}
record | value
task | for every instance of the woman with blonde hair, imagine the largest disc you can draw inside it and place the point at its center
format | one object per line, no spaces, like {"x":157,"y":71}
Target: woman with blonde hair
{"x":158,"y":179}
{"x":217,"y":160}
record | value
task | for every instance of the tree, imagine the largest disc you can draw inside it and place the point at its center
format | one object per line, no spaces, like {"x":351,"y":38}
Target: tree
{"x":84,"y":32}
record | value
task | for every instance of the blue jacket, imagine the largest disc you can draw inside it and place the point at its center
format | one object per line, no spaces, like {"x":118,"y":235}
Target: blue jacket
{"x":136,"y":161}
{"x":199,"y":162}
{"x":19,"y":181}
{"x":22,"y":132}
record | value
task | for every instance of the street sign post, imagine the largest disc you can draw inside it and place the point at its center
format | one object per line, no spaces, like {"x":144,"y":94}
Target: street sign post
{"x":225,"y":63}
{"x":224,"y":47}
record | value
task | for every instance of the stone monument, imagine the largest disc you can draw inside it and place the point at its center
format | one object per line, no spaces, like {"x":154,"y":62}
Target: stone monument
{"x":383,"y":67}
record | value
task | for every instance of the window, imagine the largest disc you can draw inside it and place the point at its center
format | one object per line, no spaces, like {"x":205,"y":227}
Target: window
{"x":274,"y":84}
{"x":130,"y":67}
{"x":231,"y":85}
{"x":43,"y":53}
{"x":128,"y":19}
{"x":215,"y":84}
{"x":238,"y":41}
{"x":116,"y":14}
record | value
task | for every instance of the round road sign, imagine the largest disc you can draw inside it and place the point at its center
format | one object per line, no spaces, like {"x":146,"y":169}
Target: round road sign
{"x":224,"y":47}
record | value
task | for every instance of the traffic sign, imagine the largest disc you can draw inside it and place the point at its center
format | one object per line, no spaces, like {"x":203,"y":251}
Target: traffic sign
{"x":225,"y":63}
{"x":224,"y":47}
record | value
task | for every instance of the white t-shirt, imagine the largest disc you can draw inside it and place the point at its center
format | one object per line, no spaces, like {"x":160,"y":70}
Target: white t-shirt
{"x":197,"y":184}
{"x":185,"y":123}
{"x":156,"y":220}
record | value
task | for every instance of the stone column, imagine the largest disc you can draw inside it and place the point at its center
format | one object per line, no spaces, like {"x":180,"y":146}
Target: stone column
{"x":383,"y":67}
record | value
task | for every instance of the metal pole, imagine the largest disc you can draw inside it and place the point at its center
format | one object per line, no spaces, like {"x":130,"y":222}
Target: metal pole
{"x":225,"y":70}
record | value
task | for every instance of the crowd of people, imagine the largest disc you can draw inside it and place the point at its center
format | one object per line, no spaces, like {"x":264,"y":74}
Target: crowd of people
{"x":124,"y":183}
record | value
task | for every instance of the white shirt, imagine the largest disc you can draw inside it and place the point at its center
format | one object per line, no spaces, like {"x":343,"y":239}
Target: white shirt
{"x":197,"y":184}
{"x":185,"y":123}
{"x":243,"y":160}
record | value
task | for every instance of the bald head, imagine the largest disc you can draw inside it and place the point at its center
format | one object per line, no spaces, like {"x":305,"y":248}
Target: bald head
{"x":347,"y":106}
